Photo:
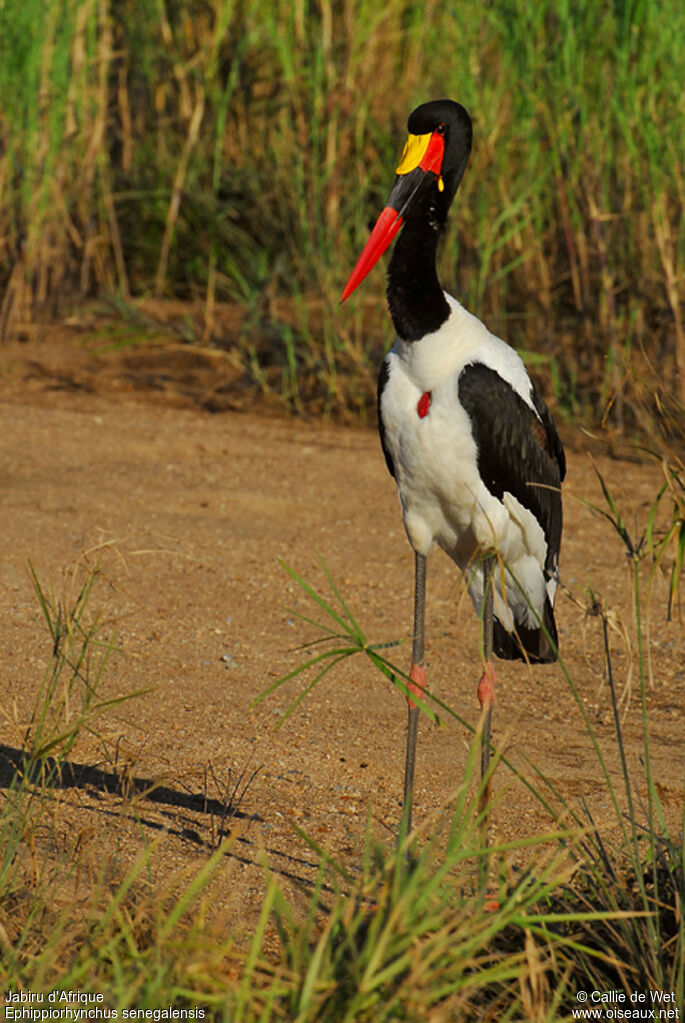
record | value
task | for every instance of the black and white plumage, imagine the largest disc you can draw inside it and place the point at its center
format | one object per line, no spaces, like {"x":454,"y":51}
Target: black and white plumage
{"x":472,"y":447}
{"x":480,"y":471}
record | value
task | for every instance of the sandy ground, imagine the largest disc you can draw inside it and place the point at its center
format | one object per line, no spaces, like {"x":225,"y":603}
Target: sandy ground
{"x":111,"y":460}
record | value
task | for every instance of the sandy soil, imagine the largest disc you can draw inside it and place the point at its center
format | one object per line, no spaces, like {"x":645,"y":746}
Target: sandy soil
{"x":112,"y":459}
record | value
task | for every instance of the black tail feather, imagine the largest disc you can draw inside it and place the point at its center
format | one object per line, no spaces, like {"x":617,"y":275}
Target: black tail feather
{"x":528,"y":644}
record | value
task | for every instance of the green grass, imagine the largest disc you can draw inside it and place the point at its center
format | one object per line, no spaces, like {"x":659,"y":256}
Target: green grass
{"x":388,"y":936}
{"x":237,"y":153}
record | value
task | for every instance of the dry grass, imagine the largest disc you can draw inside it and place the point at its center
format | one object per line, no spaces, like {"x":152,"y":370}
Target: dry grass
{"x":236,"y":152}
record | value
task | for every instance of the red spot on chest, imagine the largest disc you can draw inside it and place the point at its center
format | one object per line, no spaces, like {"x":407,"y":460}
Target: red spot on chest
{"x":423,"y":404}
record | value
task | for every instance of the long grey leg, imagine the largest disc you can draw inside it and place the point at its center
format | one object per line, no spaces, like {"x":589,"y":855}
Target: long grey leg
{"x":486,"y":687}
{"x":418,"y":676}
{"x":488,"y":616}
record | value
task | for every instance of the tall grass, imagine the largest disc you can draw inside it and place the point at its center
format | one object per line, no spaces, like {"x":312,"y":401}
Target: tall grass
{"x":237,"y":152}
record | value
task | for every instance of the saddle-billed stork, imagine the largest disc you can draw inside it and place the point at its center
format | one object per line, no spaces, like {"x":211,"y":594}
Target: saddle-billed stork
{"x":469,"y":440}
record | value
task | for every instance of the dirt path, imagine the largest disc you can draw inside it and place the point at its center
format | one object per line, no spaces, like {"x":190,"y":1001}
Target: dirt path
{"x":187,"y":513}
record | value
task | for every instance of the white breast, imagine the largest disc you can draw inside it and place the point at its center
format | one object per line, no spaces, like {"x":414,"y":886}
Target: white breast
{"x":443,"y":498}
{"x":441,"y":356}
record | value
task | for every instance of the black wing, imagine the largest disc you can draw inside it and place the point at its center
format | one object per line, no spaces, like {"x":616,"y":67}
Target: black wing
{"x":382,"y":381}
{"x":518,"y":451}
{"x":554,"y":445}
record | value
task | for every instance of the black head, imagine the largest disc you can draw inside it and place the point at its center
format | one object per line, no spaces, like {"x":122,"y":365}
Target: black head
{"x":430,"y":169}
{"x":452,"y":121}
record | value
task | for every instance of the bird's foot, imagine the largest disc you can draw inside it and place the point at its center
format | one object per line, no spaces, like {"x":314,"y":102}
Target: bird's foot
{"x":491,"y":902}
{"x":417,"y":685}
{"x":486,"y":686}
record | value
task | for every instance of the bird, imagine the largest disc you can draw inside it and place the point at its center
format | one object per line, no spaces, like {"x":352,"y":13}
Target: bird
{"x":468,"y":438}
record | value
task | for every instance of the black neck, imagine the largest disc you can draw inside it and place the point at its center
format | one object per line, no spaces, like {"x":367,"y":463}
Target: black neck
{"x":417,"y":303}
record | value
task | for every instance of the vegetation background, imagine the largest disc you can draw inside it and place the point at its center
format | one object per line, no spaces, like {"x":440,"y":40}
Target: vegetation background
{"x":236,"y":152}
{"x":231,"y":156}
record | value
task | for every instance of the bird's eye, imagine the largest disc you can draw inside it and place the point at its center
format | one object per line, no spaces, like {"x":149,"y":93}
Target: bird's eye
{"x":441,"y":129}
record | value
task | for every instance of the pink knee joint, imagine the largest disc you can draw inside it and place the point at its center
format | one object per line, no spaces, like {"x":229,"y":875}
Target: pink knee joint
{"x":417,"y":684}
{"x":486,"y":686}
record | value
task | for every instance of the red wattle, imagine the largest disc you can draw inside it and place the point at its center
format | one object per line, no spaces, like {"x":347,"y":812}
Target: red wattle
{"x":423,"y":404}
